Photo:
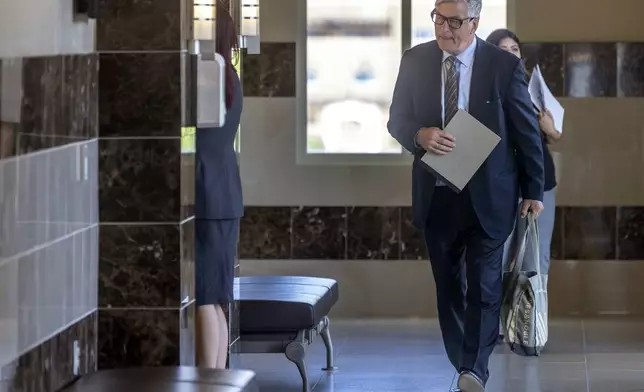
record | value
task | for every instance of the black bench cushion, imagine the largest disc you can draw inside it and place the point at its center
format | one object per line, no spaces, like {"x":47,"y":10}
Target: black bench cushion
{"x":166,"y":379}
{"x":283,"y":303}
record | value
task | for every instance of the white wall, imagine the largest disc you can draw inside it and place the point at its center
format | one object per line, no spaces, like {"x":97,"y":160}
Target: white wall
{"x":270,"y":174}
{"x":42,"y":28}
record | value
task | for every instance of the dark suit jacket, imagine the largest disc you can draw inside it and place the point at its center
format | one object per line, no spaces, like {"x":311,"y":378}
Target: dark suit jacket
{"x":500,"y":100}
{"x":218,"y":190}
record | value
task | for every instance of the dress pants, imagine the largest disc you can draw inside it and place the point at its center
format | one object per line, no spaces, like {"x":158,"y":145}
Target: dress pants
{"x":466,"y":264}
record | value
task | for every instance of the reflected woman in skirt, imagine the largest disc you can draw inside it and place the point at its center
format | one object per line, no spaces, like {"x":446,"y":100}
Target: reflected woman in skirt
{"x":218,"y":208}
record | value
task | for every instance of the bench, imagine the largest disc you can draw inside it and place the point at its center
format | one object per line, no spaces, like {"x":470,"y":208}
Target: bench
{"x":283,"y":314}
{"x":166,"y":379}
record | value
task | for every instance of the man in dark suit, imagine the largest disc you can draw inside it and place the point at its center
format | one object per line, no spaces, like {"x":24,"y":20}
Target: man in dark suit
{"x":465,"y":231}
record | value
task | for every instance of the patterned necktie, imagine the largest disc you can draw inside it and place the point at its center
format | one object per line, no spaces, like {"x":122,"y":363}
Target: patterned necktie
{"x":452,"y":76}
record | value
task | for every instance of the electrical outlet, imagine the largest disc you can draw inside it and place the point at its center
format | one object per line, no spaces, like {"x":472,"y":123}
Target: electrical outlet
{"x":76,"y":359}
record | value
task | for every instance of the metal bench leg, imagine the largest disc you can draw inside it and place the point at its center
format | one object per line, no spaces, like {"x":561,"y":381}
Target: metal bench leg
{"x":325,"y":333}
{"x":295,"y":352}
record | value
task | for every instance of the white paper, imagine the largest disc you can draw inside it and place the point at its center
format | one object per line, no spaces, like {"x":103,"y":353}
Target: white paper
{"x":542,"y":98}
{"x":536,"y":92}
{"x":474,"y":143}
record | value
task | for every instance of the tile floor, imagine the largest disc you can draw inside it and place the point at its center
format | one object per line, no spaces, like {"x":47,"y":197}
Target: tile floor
{"x":392,"y":356}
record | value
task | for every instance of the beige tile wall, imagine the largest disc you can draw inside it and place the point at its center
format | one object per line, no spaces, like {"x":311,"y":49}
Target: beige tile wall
{"x":576,"y":288}
{"x":577,"y":20}
{"x":601,"y":156}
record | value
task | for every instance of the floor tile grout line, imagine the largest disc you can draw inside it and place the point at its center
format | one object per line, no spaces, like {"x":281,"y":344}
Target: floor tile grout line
{"x":583,"y":340}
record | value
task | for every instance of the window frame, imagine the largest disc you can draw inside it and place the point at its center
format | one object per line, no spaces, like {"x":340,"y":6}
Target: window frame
{"x":301,"y":108}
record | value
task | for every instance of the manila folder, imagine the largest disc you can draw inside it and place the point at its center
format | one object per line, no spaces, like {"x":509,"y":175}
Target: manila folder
{"x":474,"y":143}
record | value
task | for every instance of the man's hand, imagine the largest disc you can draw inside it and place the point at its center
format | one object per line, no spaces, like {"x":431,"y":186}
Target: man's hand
{"x":534,"y":206}
{"x":436,"y":141}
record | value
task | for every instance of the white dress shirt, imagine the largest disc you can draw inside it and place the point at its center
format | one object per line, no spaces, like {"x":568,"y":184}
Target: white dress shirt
{"x":464,"y":60}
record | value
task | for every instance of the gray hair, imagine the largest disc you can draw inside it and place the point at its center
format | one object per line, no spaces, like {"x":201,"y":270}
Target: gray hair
{"x":473,"y":6}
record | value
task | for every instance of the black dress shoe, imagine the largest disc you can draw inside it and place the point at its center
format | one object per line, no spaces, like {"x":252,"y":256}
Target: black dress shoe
{"x":500,"y":339}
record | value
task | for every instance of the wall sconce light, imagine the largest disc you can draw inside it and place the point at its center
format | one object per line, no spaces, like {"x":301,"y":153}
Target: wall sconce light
{"x":203,"y":20}
{"x":250,"y":18}
{"x":208,"y":69}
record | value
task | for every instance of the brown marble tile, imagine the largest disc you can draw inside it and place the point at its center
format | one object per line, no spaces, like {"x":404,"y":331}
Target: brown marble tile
{"x":630,"y":233}
{"x":140,"y":180}
{"x":10,"y":105}
{"x":270,"y":73}
{"x":412,"y":240}
{"x":319,"y":233}
{"x":590,"y":233}
{"x":44,"y":122}
{"x":142,"y":25}
{"x":42,"y":89}
{"x":373,"y":233}
{"x":557,"y":242}
{"x":187,"y":260}
{"x":138,"y":338}
{"x":93,"y":113}
{"x":265,"y":233}
{"x":630,"y":69}
{"x":89,"y":359}
{"x":75,"y":111}
{"x":550,"y":58}
{"x":80,"y":73}
{"x":51,"y":100}
{"x":140,"y":266}
{"x":591,"y":70}
{"x":62,"y":351}
{"x":140,"y":94}
{"x":49,"y":366}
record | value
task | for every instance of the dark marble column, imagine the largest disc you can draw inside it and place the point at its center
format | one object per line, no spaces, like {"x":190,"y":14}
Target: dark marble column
{"x":146,"y":307}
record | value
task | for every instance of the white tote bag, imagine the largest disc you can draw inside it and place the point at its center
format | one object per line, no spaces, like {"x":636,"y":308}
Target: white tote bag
{"x":524,"y":310}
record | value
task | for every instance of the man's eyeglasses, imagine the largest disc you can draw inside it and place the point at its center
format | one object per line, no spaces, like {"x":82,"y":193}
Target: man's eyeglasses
{"x":453,"y":23}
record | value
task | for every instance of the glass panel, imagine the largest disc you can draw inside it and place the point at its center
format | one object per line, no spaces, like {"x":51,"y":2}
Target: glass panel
{"x":353,"y":53}
{"x":493,"y":16}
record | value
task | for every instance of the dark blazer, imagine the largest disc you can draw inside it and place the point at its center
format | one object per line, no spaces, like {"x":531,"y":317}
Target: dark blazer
{"x":218,"y":184}
{"x":500,"y":100}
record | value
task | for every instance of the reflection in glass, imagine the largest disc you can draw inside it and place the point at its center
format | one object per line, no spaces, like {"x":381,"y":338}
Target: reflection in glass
{"x":354,"y":49}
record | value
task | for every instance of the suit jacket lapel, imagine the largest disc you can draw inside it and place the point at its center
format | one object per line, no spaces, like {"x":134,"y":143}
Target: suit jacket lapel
{"x":433,"y":117}
{"x":481,"y":79}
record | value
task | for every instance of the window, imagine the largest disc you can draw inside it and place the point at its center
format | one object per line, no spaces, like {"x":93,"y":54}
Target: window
{"x":353,"y":50}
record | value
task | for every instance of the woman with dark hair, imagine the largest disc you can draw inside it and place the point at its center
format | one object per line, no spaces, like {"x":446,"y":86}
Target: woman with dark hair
{"x":508,"y":41}
{"x":218,"y":208}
